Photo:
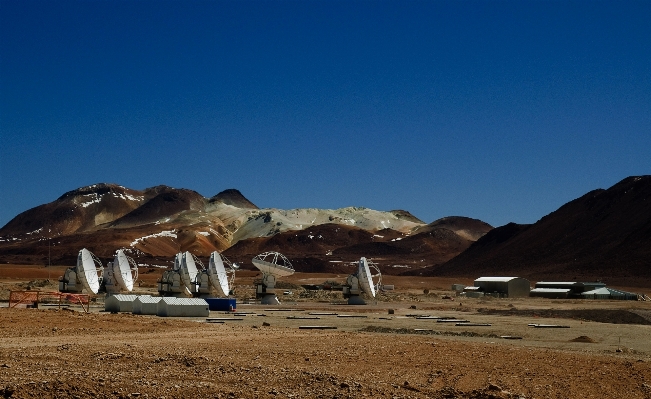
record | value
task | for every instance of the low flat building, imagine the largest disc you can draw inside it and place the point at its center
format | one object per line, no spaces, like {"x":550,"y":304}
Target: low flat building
{"x":609,"y":293}
{"x":183,"y":307}
{"x":573,"y":289}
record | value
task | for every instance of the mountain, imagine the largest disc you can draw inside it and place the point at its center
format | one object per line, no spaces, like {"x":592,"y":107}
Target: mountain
{"x":234,"y":198}
{"x":603,"y":235}
{"x":156,"y":223}
{"x":471,"y":229}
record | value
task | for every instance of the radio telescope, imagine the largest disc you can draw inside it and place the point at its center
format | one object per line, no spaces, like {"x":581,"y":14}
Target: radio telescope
{"x":120,"y":274}
{"x":272,"y":265}
{"x":181,"y":280}
{"x":219,"y":276}
{"x":362,"y":281}
{"x":88,"y":274}
{"x":189,"y":272}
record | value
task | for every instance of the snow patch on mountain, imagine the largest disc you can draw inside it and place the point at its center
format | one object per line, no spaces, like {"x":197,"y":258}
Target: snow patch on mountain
{"x":164,"y":233}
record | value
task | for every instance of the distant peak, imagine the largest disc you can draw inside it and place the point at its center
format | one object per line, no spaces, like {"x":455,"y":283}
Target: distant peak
{"x":234,"y":198}
{"x":406,"y":215}
{"x":99,"y":188}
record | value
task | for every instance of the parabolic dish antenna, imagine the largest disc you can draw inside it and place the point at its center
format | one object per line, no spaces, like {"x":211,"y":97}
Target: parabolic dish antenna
{"x":362,"y":282}
{"x":273,"y":263}
{"x":88,"y":274}
{"x":219,"y":276}
{"x":125,"y":270}
{"x":189,"y":272}
{"x":366,"y":278}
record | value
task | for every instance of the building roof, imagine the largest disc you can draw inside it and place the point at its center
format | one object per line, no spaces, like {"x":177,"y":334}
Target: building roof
{"x":149,"y":299}
{"x":608,"y":291}
{"x":598,"y":291}
{"x":122,"y":298}
{"x":184,"y":301}
{"x":496,"y":279}
{"x":568,"y":284}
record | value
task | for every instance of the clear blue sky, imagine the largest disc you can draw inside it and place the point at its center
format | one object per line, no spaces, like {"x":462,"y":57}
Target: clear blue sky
{"x":496,"y":110}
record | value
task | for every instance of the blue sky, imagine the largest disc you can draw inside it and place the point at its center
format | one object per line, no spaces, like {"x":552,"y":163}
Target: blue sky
{"x":496,"y":110}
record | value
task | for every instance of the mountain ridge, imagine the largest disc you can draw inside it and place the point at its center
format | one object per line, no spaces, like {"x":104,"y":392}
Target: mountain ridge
{"x":604,"y":234}
{"x":159,"y":221}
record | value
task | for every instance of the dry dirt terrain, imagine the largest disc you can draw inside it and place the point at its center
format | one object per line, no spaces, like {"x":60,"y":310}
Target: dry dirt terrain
{"x":604,"y":351}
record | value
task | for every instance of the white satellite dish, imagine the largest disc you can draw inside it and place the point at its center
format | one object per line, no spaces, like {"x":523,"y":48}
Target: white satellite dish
{"x":362,"y":281}
{"x":189,"y":272}
{"x":89,"y":271}
{"x":272,"y":265}
{"x":124,"y":271}
{"x":219,"y":276}
{"x":366,"y":278}
{"x":170,"y":283}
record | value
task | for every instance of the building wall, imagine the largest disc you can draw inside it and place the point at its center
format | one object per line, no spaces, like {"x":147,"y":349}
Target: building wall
{"x":183,"y":307}
{"x":119,"y":303}
{"x":515,"y":287}
{"x":519,"y":287}
{"x":146,"y":304}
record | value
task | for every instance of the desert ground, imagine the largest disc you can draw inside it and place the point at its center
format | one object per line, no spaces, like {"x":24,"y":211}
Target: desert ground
{"x":602,"y":351}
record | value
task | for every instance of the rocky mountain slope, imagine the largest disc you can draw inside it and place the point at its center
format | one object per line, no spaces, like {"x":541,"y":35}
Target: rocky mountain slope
{"x":155,"y":223}
{"x":605,"y":234}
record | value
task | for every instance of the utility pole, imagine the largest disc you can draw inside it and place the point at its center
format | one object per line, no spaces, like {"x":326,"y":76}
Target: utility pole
{"x":49,"y":264}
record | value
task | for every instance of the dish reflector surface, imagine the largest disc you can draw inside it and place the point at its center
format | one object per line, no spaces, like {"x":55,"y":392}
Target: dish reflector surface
{"x":122,"y":271}
{"x":87,"y":271}
{"x":188,"y":272}
{"x":365,"y":277}
{"x":217,"y":273}
{"x":273,"y":263}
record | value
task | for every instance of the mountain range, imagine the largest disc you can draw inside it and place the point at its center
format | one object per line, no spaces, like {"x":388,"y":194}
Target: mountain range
{"x":605,"y":234}
{"x":156,"y":223}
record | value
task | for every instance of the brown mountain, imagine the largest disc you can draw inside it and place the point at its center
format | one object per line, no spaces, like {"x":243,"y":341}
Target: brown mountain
{"x":75,"y":211}
{"x":156,"y":223}
{"x":603,"y":235}
{"x":167,"y":204}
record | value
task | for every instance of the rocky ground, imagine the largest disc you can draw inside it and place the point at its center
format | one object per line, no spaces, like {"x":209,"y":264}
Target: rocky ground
{"x":603,"y":350}
{"x":49,"y":353}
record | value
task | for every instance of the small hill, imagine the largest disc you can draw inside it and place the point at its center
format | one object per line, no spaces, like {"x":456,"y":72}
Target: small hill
{"x":471,"y":229}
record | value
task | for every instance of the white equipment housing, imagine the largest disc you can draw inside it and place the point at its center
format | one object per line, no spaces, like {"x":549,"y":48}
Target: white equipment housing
{"x":88,"y":274}
{"x":362,"y":282}
{"x":272,"y":265}
{"x":219,"y":276}
{"x":182,"y":279}
{"x":120,"y":274}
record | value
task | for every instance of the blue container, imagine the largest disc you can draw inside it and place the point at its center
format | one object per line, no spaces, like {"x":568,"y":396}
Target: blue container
{"x":221,"y":304}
